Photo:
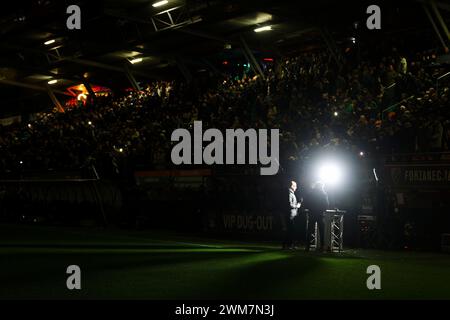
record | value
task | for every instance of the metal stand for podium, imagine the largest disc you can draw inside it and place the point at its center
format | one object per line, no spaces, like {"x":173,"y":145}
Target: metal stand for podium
{"x":315,"y":238}
{"x":333,"y":231}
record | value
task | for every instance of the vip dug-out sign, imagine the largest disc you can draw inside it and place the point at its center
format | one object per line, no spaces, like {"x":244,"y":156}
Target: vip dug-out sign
{"x":243,"y":222}
{"x":248,"y":223}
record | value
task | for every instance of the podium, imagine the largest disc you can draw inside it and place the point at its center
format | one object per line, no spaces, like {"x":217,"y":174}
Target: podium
{"x":333,"y":231}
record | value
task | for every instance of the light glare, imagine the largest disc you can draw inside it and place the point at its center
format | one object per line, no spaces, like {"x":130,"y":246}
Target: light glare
{"x":159,"y":3}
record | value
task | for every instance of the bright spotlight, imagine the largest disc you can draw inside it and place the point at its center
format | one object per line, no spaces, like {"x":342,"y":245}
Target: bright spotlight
{"x":49,"y":42}
{"x":361,"y":154}
{"x":330,"y":173}
{"x":136,"y":60}
{"x":160,"y":3}
{"x":52,"y":81}
{"x":266,"y":28}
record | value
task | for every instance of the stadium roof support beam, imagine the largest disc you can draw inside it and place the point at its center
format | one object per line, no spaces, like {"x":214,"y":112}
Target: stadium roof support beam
{"x":131,"y":78}
{"x":88,"y":87}
{"x":108,"y":67}
{"x":427,"y":12}
{"x":440,"y":19}
{"x":175,"y":17}
{"x":444,"y":6}
{"x":211,"y":66}
{"x":30,"y":86}
{"x":251,"y":58}
{"x":184,"y":69}
{"x":331,"y":46}
{"x":172,"y":18}
{"x":54,"y":99}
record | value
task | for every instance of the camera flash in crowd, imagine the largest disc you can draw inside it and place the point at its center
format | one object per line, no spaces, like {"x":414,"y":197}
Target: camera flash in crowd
{"x":335,"y":114}
{"x":361,"y":154}
{"x":90,"y":123}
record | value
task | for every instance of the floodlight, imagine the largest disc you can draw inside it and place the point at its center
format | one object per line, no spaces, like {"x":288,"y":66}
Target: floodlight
{"x":330,"y":173}
{"x":136,"y":60}
{"x":261,"y":29}
{"x":160,"y":3}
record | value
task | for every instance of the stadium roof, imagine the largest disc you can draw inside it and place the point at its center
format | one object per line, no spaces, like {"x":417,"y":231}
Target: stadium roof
{"x":178,"y":38}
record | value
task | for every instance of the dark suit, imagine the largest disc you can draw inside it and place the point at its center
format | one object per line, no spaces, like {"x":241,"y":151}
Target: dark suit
{"x":290,"y":234}
{"x":317,"y":204}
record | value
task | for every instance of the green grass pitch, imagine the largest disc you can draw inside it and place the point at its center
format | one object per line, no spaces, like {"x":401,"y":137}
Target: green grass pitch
{"x":157,"y":265}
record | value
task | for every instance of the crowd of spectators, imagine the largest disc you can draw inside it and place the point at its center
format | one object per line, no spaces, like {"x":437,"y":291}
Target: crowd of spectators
{"x":392,"y":105}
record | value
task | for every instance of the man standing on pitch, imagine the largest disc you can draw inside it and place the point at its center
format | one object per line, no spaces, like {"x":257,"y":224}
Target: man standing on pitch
{"x":317,"y":203}
{"x":289,"y":241}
